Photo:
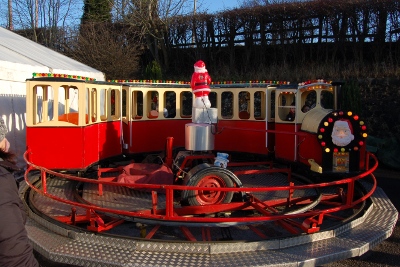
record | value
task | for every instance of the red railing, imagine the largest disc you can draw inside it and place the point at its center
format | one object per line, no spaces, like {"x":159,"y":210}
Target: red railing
{"x":184,"y":214}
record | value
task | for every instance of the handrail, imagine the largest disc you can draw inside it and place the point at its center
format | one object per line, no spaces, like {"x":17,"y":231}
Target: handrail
{"x":172,"y":213}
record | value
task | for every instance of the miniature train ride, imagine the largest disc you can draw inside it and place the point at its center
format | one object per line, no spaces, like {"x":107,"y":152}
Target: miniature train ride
{"x":137,"y":161}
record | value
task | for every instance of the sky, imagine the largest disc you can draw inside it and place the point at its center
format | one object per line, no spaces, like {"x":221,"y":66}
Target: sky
{"x":214,"y":6}
{"x":208,"y":6}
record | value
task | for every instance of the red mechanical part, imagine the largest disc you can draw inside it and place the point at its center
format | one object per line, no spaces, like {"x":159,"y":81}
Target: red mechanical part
{"x":207,"y":197}
{"x":208,"y":178}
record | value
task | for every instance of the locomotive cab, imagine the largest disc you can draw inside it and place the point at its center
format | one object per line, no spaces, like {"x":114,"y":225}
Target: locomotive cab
{"x":317,"y":134}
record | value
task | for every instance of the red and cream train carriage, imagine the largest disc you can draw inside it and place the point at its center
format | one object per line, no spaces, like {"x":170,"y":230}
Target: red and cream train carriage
{"x":75,"y":124}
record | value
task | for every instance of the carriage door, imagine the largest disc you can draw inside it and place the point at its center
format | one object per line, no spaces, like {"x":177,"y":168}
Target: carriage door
{"x":269,"y":99}
{"x":286,"y":117}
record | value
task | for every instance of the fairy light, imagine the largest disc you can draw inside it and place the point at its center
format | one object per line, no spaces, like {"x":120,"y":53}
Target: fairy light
{"x":255,"y":82}
{"x":146,"y":81}
{"x":59,"y":75}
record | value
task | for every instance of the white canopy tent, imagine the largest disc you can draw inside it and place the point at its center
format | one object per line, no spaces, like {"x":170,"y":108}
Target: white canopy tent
{"x":19,"y":59}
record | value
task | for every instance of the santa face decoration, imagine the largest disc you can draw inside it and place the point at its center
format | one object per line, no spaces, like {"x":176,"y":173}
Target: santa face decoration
{"x":341,"y":133}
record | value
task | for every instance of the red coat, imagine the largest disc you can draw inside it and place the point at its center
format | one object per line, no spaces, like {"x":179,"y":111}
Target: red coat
{"x":200,"y":83}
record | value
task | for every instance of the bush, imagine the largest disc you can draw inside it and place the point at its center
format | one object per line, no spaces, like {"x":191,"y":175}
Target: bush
{"x":153,"y":71}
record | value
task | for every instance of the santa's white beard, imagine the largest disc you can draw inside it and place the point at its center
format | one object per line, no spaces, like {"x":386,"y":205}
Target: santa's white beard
{"x":342,"y":140}
{"x":200,"y":70}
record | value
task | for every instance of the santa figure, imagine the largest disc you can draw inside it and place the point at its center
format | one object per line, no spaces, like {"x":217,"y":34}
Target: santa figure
{"x":342,"y":134}
{"x":200,"y":85}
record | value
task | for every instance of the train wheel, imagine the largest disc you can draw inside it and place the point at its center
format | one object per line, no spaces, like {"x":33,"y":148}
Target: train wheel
{"x":210,"y":177}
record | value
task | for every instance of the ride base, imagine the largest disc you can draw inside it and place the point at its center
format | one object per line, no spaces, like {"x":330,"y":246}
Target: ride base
{"x":132,"y":244}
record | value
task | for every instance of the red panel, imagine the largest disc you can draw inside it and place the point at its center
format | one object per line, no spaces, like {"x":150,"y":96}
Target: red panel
{"x":236,"y":136}
{"x":271,"y":137}
{"x":309,"y":148}
{"x":363,"y":153}
{"x":246,"y":136}
{"x":152,"y":135}
{"x":285,"y":143}
{"x":109,"y":139}
{"x":56,"y":147}
{"x":91,"y":144}
{"x":73,"y":147}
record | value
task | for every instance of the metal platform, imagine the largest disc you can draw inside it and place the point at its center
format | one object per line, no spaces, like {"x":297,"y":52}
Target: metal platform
{"x":61,"y":244}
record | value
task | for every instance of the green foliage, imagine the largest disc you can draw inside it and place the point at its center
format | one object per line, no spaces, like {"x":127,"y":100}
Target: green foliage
{"x":153,"y":71}
{"x":381,"y":108}
{"x":351,"y":97}
{"x":97,"y":11}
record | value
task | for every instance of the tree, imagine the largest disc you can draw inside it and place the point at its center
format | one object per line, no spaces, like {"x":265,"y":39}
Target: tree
{"x":43,"y":21}
{"x":112,"y":48}
{"x":152,"y":18}
{"x":10,"y":16}
{"x":97,"y":11}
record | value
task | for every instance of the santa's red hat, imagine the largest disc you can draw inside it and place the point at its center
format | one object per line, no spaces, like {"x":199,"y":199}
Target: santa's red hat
{"x":200,"y":66}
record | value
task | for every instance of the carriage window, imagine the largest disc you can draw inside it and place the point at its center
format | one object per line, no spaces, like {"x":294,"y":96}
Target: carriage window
{"x":112,"y":102}
{"x":87,"y":102}
{"x":170,"y":104}
{"x":44,"y":100}
{"x":124,"y":105}
{"x":68,"y":105}
{"x":272,"y":108}
{"x":137,"y":105}
{"x":152,"y":104}
{"x":308,"y":100}
{"x":244,"y":105}
{"x":115,"y":104}
{"x":38,"y":105}
{"x":213,"y":99}
{"x":67,"y":100}
{"x":48,"y":104}
{"x":259,"y":105}
{"x":103,"y":103}
{"x":327,"y":99}
{"x":227,"y":105}
{"x":287,"y":106}
{"x":186,"y":104}
{"x":93,"y":97}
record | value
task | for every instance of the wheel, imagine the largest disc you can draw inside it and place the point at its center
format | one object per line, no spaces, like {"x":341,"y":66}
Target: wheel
{"x":210,"y":177}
